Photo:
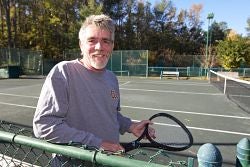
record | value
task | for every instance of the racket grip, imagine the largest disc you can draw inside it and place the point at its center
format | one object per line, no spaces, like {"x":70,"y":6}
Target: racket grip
{"x":130,"y":146}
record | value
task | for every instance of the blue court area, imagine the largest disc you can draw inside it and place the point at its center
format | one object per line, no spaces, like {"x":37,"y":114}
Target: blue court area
{"x":209,"y":114}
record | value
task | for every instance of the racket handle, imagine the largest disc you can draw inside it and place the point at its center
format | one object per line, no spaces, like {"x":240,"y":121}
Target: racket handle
{"x":130,"y":146}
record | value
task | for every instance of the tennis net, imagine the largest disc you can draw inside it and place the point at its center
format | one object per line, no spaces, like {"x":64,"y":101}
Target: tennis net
{"x":237,"y":90}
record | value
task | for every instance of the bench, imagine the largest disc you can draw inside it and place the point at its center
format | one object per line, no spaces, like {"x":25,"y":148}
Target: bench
{"x":122,"y":73}
{"x":169,"y":74}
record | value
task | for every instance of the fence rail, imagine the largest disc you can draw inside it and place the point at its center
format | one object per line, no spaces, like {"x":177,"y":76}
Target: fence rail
{"x":18,"y":147}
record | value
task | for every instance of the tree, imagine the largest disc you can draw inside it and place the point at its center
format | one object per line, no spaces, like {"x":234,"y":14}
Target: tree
{"x":6,"y":5}
{"x":233,"y":52}
{"x":52,"y":26}
{"x":90,"y":8}
{"x":127,"y":39}
{"x":218,"y":31}
{"x":164,"y":15}
{"x":194,"y":31}
{"x":248,"y":27}
{"x":120,"y":10}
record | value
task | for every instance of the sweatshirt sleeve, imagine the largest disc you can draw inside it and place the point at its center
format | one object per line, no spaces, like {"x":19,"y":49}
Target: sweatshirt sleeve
{"x":49,"y":121}
{"x":124,"y":122}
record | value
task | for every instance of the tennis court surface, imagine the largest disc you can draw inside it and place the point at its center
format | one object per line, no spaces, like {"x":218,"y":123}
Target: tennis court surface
{"x":203,"y":108}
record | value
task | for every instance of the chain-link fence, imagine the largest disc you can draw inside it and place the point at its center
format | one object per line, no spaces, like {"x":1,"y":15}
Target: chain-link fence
{"x":9,"y":57}
{"x":72,"y":54}
{"x":186,"y":72}
{"x":18,"y":147}
{"x":135,"y":63}
{"x":129,"y":62}
{"x":122,"y":62}
{"x":29,"y":62}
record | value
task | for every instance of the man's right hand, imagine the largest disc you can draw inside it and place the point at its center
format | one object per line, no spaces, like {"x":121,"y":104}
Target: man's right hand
{"x":111,"y":147}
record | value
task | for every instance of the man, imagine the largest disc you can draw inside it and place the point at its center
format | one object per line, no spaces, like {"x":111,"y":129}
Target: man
{"x":80,"y":99}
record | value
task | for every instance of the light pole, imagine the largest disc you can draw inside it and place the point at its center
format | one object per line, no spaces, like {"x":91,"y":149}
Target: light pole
{"x":210,"y":16}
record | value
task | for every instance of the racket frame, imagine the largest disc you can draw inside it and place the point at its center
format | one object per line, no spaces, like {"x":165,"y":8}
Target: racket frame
{"x":136,"y":143}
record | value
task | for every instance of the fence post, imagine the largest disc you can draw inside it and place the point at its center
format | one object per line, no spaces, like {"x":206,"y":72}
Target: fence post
{"x":190,"y":162}
{"x":243,"y":153}
{"x":209,"y":155}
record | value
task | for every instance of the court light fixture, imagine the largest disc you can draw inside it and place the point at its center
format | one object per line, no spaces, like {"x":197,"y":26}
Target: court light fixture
{"x":210,"y":16}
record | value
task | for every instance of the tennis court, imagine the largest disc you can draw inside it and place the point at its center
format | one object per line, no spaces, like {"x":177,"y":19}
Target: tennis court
{"x":208,"y":113}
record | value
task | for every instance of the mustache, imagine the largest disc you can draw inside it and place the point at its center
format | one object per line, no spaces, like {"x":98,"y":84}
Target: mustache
{"x":102,"y":53}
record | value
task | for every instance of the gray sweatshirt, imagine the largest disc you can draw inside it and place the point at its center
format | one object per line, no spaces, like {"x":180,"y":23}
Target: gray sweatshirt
{"x":79,"y":105}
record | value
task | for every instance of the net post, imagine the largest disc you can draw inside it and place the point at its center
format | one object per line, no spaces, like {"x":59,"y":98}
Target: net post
{"x":188,"y":72}
{"x":190,"y":162}
{"x":147,"y":64}
{"x":200,"y":71}
{"x":243,"y":153}
{"x":209,"y":77}
{"x":209,"y":155}
{"x":111,"y":62}
{"x":225,"y":86}
{"x":207,"y":73}
{"x":121,"y":63}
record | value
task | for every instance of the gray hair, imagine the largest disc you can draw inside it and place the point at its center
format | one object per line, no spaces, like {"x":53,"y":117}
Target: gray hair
{"x":102,"y":21}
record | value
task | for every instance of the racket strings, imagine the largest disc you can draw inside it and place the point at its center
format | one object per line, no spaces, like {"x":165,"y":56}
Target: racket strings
{"x":169,"y":133}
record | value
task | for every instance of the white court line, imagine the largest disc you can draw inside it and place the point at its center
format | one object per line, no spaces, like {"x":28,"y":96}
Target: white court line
{"x":176,"y":83}
{"x":20,"y":87}
{"x":187,"y":112}
{"x":247,"y":96}
{"x":205,"y":129}
{"x":7,"y":94}
{"x":219,"y":131}
{"x":195,"y":128}
{"x":152,"y":109}
{"x":18,"y":105}
{"x":177,"y":92}
{"x":125,"y":83}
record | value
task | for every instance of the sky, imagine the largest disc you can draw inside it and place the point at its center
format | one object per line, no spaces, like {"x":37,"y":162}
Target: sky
{"x":233,"y":12}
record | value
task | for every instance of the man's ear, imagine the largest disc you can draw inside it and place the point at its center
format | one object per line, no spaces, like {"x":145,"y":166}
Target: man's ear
{"x":80,"y":43}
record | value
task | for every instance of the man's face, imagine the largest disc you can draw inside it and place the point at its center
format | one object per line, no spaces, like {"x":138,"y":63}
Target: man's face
{"x":96,"y":47}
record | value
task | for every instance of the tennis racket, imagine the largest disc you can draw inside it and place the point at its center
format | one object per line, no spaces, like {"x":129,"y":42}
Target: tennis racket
{"x":171,"y":135}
